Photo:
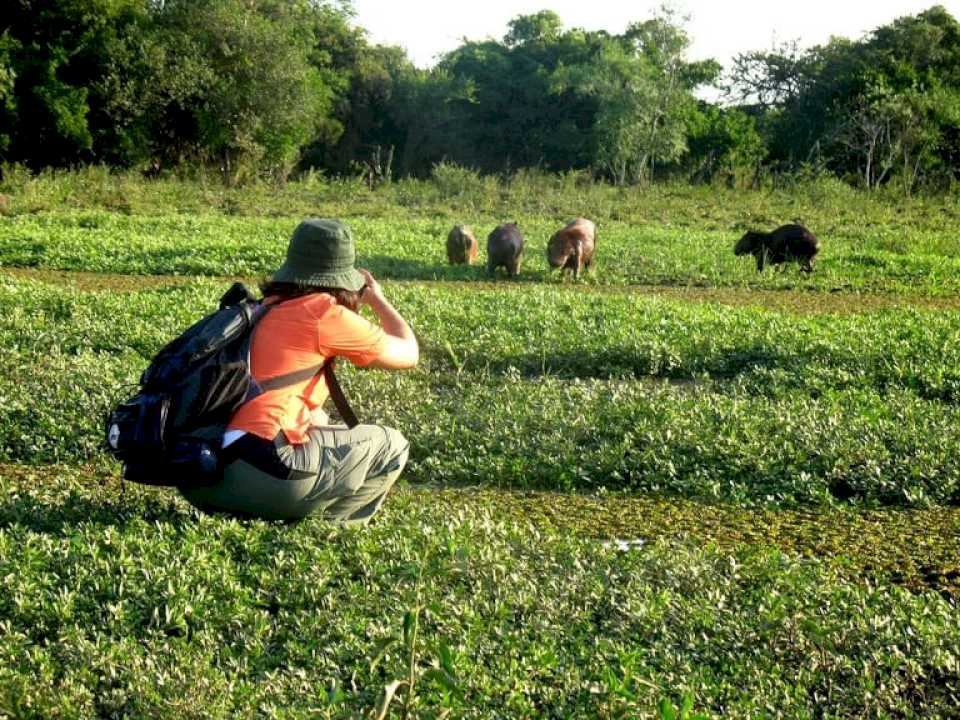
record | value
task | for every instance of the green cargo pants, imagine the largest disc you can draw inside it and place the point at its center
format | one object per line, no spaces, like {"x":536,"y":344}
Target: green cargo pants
{"x":341,"y":475}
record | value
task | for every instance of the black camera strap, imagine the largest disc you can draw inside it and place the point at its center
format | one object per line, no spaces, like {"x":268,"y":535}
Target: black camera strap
{"x":336,"y":394}
{"x":333,"y":385}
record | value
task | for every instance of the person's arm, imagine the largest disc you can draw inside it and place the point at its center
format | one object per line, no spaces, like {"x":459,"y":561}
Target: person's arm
{"x":401,"y":350}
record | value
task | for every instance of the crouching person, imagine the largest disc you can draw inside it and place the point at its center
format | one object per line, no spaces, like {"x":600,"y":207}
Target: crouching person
{"x":282,"y":460}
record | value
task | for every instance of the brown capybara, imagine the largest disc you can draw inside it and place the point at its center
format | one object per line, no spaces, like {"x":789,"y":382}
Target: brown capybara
{"x":786,"y":243}
{"x":572,"y":247}
{"x":505,"y":249}
{"x":461,"y":245}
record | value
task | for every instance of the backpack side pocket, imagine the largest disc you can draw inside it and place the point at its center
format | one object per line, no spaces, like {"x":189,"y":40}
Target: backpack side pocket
{"x":137,"y":427}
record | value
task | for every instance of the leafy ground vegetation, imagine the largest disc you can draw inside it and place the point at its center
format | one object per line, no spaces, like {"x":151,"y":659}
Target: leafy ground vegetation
{"x":676,"y":489}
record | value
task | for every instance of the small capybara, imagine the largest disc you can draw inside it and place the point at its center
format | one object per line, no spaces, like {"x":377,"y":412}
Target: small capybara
{"x":461,"y":245}
{"x":786,"y":243}
{"x":505,"y":249}
{"x":572,"y":247}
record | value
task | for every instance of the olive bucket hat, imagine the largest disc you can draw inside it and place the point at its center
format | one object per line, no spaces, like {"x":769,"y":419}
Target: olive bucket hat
{"x":321,"y":252}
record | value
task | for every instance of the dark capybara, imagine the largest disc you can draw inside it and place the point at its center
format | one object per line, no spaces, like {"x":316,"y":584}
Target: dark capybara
{"x":461,"y":245}
{"x":572,"y":247}
{"x":786,"y":243}
{"x":505,"y":249}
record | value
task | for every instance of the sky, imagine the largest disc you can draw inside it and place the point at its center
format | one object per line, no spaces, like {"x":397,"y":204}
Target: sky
{"x":718,"y":29}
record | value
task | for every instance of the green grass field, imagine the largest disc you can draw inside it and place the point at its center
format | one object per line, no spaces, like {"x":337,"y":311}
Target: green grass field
{"x":783,"y":448}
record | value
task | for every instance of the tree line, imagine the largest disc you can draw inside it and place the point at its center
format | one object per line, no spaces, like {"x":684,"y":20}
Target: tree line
{"x":258,"y":88}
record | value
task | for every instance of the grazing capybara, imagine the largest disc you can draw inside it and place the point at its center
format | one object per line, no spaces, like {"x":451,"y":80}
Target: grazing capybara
{"x":786,"y":243}
{"x":572,"y":247}
{"x":461,"y":245}
{"x":505,"y":249}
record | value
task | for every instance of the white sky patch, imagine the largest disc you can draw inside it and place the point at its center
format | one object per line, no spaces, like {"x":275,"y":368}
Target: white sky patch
{"x":719,"y":30}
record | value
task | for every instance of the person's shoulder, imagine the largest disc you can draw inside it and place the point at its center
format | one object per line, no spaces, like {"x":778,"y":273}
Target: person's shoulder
{"x":316,"y":305}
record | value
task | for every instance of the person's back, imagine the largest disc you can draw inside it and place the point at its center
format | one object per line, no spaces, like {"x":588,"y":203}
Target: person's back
{"x":281,"y":458}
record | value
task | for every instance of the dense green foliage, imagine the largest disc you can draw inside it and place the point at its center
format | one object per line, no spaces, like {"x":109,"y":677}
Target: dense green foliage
{"x":241,"y":86}
{"x":457,"y":194}
{"x":579,"y":99}
{"x":884,"y":107}
{"x":862,"y":407}
{"x":905,"y":259}
{"x":259,"y":88}
{"x":784,"y":447}
{"x":130,"y":605}
{"x":605,"y":386}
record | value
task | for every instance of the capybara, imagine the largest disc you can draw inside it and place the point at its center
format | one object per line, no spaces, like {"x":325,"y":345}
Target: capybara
{"x":786,"y":243}
{"x":461,"y":245}
{"x":505,"y":249}
{"x":572,"y":247}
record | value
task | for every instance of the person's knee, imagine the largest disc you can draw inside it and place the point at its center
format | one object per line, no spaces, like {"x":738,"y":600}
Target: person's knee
{"x":398,"y":447}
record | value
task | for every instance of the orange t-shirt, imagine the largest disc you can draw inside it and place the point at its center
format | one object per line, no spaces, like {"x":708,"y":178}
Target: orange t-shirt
{"x":294,"y":335}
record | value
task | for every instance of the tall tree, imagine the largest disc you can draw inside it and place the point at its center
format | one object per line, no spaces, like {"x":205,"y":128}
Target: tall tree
{"x":882,"y":108}
{"x":7,"y":77}
{"x":723,"y":143}
{"x":58,"y":52}
{"x":257,"y":98}
{"x":643,"y":86}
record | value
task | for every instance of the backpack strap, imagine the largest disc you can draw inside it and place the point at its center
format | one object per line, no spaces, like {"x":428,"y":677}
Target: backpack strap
{"x":333,"y":385}
{"x":238,"y":293}
{"x":287,"y":379}
{"x":292,"y":378}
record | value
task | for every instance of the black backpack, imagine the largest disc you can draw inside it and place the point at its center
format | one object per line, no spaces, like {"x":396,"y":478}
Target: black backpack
{"x":170,"y":432}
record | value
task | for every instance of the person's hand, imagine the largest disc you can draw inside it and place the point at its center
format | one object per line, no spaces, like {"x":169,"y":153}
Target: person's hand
{"x":400,"y":349}
{"x":372,"y":290}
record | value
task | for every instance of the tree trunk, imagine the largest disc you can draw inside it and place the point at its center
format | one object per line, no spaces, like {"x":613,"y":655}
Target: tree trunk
{"x":226,"y":167}
{"x":388,"y":166}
